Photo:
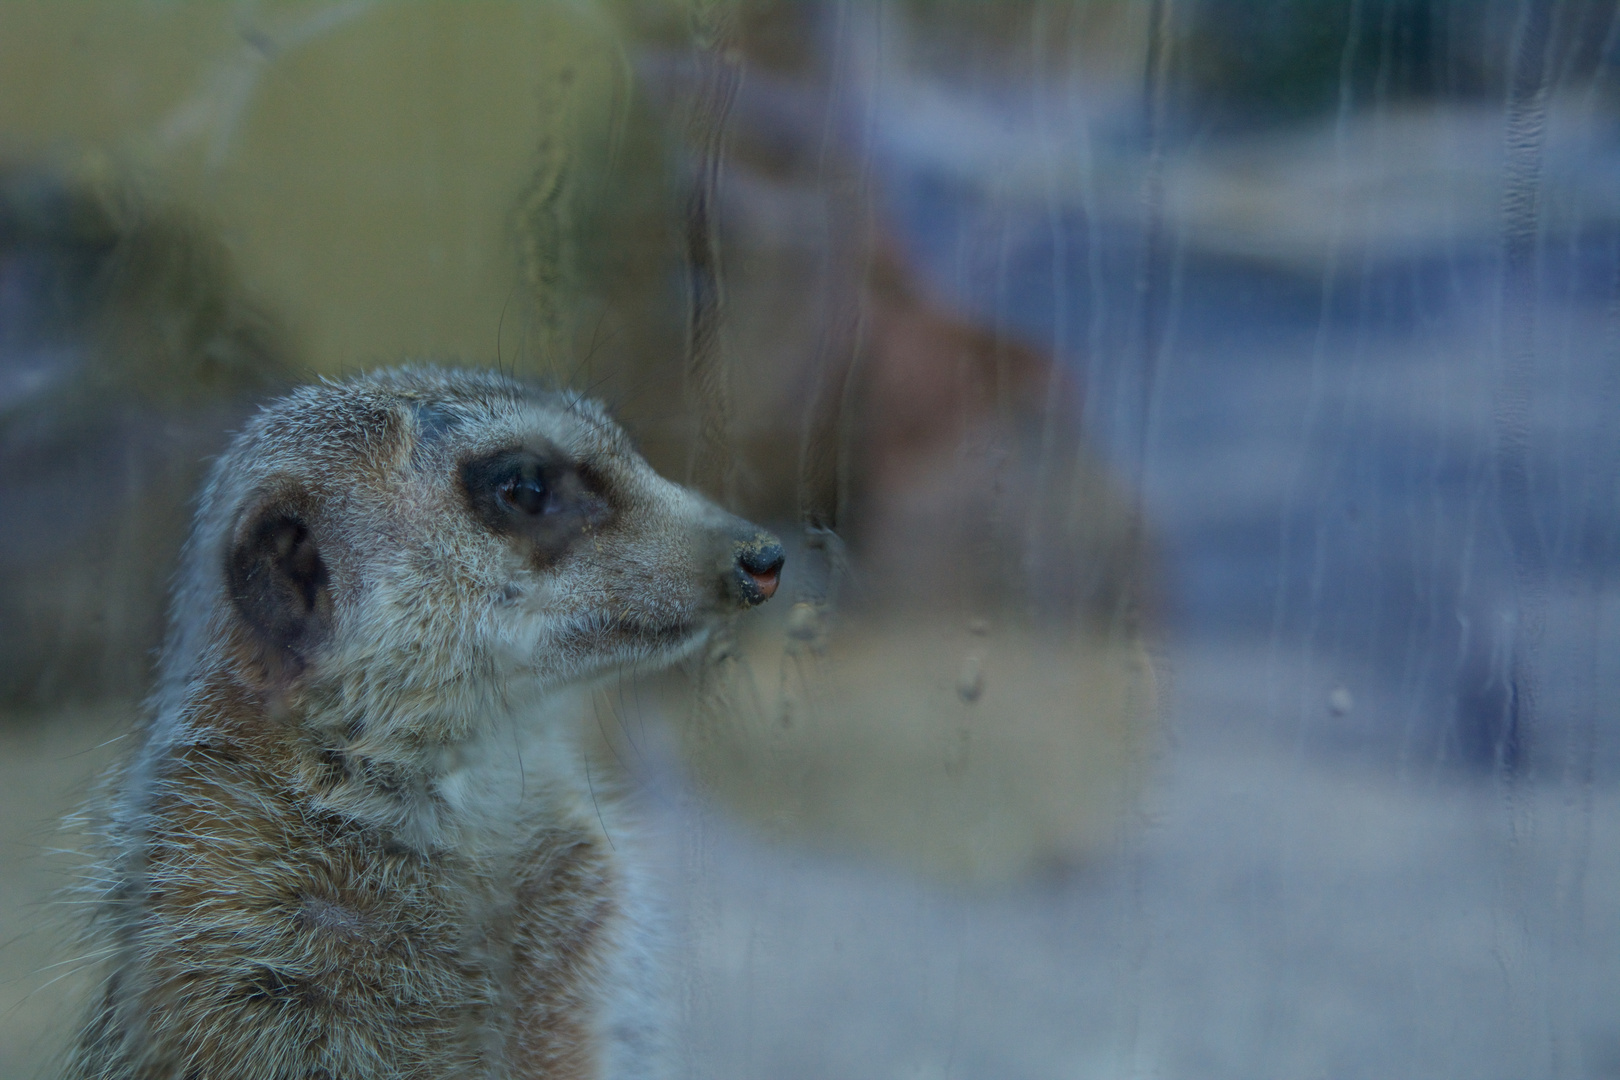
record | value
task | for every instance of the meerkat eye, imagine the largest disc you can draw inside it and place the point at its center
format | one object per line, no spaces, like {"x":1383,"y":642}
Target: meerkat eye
{"x":518,"y":490}
{"x":526,"y":491}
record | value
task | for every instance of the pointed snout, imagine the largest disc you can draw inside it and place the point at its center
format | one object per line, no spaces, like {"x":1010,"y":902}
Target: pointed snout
{"x":757,"y":562}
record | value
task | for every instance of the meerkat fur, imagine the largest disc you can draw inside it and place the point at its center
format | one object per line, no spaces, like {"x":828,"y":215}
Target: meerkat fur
{"x":355,"y":838}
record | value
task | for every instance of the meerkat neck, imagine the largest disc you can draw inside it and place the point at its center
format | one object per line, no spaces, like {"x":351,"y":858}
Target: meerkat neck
{"x":454,"y":777}
{"x":457,"y":769}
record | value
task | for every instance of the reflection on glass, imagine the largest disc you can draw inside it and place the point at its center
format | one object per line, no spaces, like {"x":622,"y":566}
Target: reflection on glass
{"x":1190,"y":422}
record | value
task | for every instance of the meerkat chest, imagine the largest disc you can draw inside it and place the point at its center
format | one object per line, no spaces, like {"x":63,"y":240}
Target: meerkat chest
{"x":545,"y":899}
{"x":521,"y":776}
{"x":522,"y":808}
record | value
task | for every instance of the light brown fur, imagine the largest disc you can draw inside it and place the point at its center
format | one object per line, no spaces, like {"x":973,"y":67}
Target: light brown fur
{"x":355,"y":839}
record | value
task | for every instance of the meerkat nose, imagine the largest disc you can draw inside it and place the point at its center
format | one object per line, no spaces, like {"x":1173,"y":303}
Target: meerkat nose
{"x":760,"y":561}
{"x":766,"y":583}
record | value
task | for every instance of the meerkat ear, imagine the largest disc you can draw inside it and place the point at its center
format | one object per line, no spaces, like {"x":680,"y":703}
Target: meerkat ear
{"x":279,"y":583}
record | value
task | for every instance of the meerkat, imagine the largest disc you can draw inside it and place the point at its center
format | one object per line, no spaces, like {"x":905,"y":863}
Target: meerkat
{"x":355,"y":838}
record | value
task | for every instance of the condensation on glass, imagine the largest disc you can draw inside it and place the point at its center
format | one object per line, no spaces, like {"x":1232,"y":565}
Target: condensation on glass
{"x":1190,"y":423}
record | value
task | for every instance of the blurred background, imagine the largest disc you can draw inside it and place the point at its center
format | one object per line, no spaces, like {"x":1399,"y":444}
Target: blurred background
{"x":1192,"y":423}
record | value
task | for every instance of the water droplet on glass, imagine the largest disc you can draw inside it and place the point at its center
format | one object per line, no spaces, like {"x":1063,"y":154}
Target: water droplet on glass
{"x":1339,"y":701}
{"x":803,"y":622}
{"x":970,"y":680}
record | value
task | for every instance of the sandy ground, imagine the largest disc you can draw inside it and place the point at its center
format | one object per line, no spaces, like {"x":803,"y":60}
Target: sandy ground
{"x":1270,"y":913}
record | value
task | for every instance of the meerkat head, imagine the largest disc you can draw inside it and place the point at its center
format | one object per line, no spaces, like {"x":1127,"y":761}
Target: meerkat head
{"x":423,"y":540}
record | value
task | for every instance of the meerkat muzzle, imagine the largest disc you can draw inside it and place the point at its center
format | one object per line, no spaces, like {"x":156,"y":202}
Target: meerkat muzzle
{"x":759,"y":566}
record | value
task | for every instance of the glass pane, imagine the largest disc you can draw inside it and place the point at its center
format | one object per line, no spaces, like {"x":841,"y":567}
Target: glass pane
{"x":1189,"y":424}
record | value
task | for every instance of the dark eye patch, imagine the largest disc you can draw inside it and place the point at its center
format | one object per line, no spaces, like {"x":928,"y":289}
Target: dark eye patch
{"x":535,"y":496}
